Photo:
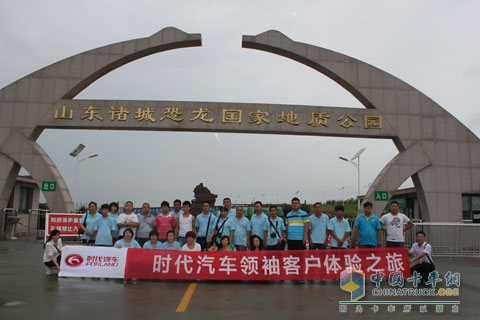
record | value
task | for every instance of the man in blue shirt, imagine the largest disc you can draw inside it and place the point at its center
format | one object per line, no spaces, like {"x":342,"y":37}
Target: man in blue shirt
{"x":240,"y":231}
{"x":367,"y":228}
{"x":339,"y":229}
{"x":297,"y":226}
{"x":318,"y":228}
{"x":276,"y":231}
{"x":227,"y":203}
{"x":259,"y":225}
{"x":177,"y":204}
{"x":204,"y":223}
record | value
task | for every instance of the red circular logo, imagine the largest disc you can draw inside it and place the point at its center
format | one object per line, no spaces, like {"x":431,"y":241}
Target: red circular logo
{"x":74,"y":260}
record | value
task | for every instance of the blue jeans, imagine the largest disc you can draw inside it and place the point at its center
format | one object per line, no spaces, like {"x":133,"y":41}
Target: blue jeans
{"x":181,"y":241}
{"x":318,"y":246}
{"x":393,"y":244}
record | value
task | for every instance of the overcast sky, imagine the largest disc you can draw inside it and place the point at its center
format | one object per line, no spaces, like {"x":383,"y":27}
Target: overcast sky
{"x":432,"y":45}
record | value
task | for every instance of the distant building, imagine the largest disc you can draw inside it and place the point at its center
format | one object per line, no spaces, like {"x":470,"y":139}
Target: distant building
{"x":25,"y":195}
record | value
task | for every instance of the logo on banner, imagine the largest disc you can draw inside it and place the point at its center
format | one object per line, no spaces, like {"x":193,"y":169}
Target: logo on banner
{"x":74,"y":260}
{"x":353,"y":281}
{"x":102,"y":261}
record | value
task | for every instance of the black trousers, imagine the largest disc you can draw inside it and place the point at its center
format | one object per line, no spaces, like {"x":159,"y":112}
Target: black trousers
{"x":202,"y":241}
{"x":278,"y":246}
{"x":50,"y":263}
{"x":142,"y":241}
{"x":296,"y":245}
{"x":423,"y":268}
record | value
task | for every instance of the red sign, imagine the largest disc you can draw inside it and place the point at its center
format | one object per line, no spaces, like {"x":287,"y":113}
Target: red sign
{"x":66,"y":223}
{"x":263,"y":265}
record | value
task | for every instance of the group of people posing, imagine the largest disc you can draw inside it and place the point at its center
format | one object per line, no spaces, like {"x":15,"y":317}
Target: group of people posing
{"x":230,"y":230}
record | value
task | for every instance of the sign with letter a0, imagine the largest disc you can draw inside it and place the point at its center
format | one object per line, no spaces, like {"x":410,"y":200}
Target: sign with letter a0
{"x":381,"y":195}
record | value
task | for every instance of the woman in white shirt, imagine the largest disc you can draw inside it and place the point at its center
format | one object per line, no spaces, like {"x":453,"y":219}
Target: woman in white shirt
{"x":191,"y":245}
{"x":52,"y":252}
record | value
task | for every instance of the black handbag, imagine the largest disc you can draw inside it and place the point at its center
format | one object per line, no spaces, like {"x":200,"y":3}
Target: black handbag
{"x":428,"y":257}
{"x":80,"y":230}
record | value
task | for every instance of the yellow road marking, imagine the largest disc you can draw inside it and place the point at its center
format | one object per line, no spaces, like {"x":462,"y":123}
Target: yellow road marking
{"x":186,"y":298}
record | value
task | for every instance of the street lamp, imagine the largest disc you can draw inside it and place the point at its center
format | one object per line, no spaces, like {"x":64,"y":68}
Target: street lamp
{"x":357,"y":165}
{"x":77,"y":150}
{"x":75,"y":154}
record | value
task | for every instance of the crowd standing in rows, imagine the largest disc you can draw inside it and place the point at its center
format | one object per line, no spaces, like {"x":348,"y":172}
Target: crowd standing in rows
{"x":230,"y":230}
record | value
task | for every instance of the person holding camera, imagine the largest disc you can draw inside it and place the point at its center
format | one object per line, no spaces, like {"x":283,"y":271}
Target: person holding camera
{"x":276,"y":231}
{"x":204,"y":224}
{"x":221,"y":227}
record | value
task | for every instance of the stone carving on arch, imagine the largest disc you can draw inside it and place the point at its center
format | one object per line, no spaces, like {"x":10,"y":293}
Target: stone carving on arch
{"x":440,"y":154}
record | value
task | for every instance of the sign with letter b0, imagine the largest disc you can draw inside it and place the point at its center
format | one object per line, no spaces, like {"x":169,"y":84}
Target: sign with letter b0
{"x":49,"y":186}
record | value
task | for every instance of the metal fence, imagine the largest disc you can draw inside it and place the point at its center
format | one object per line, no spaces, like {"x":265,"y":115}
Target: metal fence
{"x":15,"y":225}
{"x":8,"y":224}
{"x":36,"y":223}
{"x":448,"y":239}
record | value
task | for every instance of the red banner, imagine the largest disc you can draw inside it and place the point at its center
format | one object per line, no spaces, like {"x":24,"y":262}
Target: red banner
{"x":263,"y":265}
{"x":66,"y":223}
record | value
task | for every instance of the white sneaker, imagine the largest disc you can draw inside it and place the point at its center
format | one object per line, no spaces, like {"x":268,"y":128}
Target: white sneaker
{"x":48,"y":271}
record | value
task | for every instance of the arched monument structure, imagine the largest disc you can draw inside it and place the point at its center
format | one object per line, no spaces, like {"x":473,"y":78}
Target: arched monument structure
{"x":438,"y":152}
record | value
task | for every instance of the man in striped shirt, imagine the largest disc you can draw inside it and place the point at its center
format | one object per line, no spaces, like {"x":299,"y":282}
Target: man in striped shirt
{"x":297,"y":223}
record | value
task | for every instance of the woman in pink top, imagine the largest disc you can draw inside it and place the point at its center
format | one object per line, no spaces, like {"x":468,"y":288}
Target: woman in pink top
{"x":164,"y":222}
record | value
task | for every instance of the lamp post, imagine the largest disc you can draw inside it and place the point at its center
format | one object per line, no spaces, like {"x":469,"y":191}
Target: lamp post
{"x":75,"y":154}
{"x":343,"y":194}
{"x":357,"y":165}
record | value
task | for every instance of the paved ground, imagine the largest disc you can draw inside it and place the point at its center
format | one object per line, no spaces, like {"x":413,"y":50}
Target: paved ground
{"x":26,"y":293}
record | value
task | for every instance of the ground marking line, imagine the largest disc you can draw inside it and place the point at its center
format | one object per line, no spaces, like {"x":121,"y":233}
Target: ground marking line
{"x":186,"y":298}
